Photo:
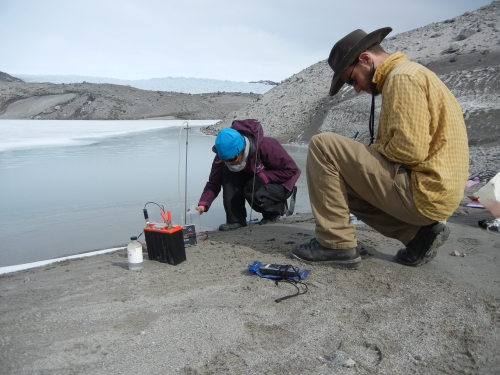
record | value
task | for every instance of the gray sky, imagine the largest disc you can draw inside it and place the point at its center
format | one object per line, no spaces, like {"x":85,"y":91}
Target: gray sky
{"x":220,"y":39}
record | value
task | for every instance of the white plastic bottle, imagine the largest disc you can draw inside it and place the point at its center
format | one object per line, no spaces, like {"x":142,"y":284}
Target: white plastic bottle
{"x":134,"y":254}
{"x":193,"y":217}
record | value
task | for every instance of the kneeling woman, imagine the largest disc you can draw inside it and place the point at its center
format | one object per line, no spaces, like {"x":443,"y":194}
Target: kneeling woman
{"x":248,"y":166}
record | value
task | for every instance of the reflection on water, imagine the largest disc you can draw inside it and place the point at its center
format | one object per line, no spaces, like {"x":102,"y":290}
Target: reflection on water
{"x":71,"y":197}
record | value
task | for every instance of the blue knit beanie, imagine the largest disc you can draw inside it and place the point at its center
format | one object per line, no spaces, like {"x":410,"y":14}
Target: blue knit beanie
{"x":229,"y":143}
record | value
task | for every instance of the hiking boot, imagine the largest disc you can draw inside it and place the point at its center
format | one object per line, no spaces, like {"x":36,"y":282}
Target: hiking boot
{"x":289,"y":210}
{"x":423,"y":248}
{"x":232,"y":226}
{"x":313,"y":251}
{"x":269,"y":219}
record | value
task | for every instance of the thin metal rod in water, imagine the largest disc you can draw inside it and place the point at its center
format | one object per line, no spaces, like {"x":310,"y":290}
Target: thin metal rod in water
{"x":186,"y":173}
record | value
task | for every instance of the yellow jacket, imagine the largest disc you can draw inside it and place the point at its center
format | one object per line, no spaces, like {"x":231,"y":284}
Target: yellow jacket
{"x":421,"y":126}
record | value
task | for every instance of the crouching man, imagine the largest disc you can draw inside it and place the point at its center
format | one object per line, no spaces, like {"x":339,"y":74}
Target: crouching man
{"x":413,"y":176}
{"x":253,"y":168}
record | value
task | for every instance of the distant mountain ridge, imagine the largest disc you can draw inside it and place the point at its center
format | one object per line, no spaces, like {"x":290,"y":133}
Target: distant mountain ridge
{"x":174,"y":84}
{"x":266,"y":82}
{"x":4,"y":77}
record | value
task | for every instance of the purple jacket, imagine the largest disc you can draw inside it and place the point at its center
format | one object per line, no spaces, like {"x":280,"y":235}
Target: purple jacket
{"x":274,"y":164}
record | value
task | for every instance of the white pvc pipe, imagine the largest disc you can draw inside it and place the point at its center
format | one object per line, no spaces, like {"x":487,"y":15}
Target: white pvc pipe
{"x":20,"y":267}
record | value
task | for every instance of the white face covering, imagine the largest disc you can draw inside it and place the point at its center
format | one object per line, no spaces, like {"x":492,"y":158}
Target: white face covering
{"x":239,"y":167}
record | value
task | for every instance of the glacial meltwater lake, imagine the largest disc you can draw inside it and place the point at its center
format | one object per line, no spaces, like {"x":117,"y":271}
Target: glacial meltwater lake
{"x":68,"y":187}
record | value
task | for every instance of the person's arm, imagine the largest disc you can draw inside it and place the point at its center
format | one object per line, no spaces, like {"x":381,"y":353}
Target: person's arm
{"x":406,"y":136}
{"x":212,"y":187}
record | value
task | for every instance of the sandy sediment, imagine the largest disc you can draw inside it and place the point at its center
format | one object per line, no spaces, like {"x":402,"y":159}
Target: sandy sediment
{"x":209,"y":315}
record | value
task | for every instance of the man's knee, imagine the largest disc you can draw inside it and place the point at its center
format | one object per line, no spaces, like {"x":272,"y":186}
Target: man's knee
{"x":319,"y":139}
{"x":325,"y":146}
{"x":324,"y":140}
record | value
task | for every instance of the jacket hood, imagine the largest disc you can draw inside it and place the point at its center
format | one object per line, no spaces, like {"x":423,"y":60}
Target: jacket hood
{"x":249,"y":127}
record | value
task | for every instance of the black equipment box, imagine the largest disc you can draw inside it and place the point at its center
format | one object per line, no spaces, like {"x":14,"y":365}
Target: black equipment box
{"x":189,"y":232}
{"x":165,"y":244}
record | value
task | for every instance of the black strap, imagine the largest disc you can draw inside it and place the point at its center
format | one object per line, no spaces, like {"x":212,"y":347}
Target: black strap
{"x":371,"y":124}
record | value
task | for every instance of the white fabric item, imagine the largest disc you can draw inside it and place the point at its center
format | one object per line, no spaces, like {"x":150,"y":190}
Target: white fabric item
{"x":489,"y":195}
{"x":243,"y":164}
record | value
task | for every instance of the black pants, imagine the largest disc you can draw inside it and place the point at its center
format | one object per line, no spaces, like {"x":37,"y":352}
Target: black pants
{"x":268,"y":199}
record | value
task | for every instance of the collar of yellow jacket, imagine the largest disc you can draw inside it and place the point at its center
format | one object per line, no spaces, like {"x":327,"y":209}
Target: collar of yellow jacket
{"x":385,"y":67}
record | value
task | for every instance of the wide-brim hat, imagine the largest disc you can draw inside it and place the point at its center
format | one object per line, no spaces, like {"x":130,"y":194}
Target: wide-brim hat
{"x":347,"y":49}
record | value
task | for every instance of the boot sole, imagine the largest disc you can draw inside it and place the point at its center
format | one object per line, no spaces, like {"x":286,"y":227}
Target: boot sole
{"x":352,"y":264}
{"x":439,"y":239}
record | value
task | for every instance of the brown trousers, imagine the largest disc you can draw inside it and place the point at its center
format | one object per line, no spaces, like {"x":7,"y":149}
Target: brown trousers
{"x":346,"y":176}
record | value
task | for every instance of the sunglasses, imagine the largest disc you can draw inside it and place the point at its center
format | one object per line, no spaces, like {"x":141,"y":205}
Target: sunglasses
{"x":351,"y":81}
{"x":233,"y":159}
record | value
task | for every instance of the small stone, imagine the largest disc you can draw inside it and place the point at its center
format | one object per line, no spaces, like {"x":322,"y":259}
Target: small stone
{"x":425,"y":61}
{"x":342,"y":359}
{"x":349,"y":363}
{"x":454,"y":47}
{"x":466,"y":33}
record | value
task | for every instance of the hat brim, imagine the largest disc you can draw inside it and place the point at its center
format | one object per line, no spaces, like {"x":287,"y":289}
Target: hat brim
{"x":374,"y":37}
